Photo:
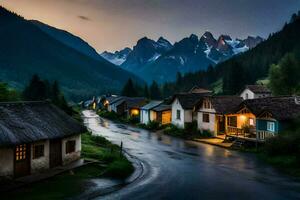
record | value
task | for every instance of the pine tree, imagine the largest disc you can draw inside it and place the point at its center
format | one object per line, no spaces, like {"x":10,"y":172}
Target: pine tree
{"x":155,"y":93}
{"x":36,"y":90}
{"x":146,"y":91}
{"x":129,"y":89}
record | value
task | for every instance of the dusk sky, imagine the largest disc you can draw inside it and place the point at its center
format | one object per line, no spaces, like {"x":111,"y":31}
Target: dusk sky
{"x":114,"y":24}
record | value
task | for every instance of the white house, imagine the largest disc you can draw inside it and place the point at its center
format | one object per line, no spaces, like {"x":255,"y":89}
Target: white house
{"x":147,"y":114}
{"x":36,"y":136}
{"x":212,"y":110}
{"x":255,"y":91}
{"x":183,"y":106}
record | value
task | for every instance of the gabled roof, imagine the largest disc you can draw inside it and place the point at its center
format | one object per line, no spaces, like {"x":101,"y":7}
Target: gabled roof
{"x":188,"y":100}
{"x":199,"y":90}
{"x":27,"y":122}
{"x":135,"y":102}
{"x":282,"y":107}
{"x":114,"y":99}
{"x":224,"y":104}
{"x":151,"y":104}
{"x":162,"y":107}
{"x":258,"y":89}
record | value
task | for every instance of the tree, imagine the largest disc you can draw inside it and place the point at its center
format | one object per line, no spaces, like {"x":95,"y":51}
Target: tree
{"x":234,"y":79}
{"x":146,"y":91}
{"x":4,"y":92}
{"x":36,"y":90}
{"x":129,"y":89}
{"x":285,"y":77}
{"x":155,"y":91}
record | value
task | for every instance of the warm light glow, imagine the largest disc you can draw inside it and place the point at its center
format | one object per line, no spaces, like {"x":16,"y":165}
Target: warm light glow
{"x":94,"y":105}
{"x":243,"y":118}
{"x":135,"y":112}
{"x":106,"y":103}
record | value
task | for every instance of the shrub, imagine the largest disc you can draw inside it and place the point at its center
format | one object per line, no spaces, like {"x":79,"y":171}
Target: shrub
{"x":191,"y":127}
{"x":121,"y":168}
{"x":173,"y":130}
{"x":206,"y":133}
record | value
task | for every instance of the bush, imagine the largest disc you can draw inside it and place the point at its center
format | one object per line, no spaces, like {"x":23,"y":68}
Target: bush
{"x":121,"y":168}
{"x":206,"y":133}
{"x":191,"y":127}
{"x":174,"y":130}
{"x":152,"y":125}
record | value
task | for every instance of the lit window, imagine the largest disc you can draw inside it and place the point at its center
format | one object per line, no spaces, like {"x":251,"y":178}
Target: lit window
{"x":271,"y":126}
{"x":70,"y":146}
{"x":38,"y":151}
{"x":21,"y":152}
{"x":251,"y":121}
{"x":178,"y":114}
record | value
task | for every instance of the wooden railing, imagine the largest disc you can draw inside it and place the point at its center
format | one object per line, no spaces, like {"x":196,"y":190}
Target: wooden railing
{"x":234,"y":131}
{"x":263,"y":135}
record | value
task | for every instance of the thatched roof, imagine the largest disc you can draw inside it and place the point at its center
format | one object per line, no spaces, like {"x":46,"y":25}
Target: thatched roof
{"x":258,"y":89}
{"x":189,"y":100}
{"x":26,"y":122}
{"x":282,"y":107}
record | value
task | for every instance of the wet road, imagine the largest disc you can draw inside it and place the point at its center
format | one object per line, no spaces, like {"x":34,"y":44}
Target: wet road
{"x":178,"y":169}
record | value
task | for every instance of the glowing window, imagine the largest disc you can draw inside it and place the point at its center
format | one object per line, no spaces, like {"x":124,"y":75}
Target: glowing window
{"x":21,"y":152}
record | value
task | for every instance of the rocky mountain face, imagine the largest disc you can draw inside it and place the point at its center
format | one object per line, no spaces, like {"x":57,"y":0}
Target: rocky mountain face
{"x":160,"y":60}
{"x":118,"y":57}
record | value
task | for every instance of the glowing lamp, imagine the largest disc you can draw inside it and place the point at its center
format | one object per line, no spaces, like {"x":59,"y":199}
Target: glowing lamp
{"x":135,"y":112}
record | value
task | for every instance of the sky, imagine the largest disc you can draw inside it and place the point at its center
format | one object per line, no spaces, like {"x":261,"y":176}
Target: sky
{"x":114,"y":24}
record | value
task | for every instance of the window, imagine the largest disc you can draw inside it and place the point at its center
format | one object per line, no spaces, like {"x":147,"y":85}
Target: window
{"x":271,"y":126}
{"x":178,"y":114}
{"x":206,"y":104}
{"x":232,"y":121}
{"x":38,"y":151}
{"x":205,"y":117}
{"x":247,"y":96}
{"x":21,"y":152}
{"x":251,"y":121}
{"x":70,"y":146}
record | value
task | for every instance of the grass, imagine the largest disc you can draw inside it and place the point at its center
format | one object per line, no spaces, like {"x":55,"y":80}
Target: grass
{"x":74,"y":182}
{"x":60,"y":187}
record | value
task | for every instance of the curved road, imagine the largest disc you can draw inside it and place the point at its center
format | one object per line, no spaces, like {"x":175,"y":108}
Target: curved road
{"x":178,"y":169}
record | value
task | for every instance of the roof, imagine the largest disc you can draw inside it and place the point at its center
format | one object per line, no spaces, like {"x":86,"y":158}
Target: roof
{"x":27,"y":122}
{"x":135,"y":102}
{"x":162,"y":107}
{"x":151,"y":104}
{"x":114,"y":99}
{"x":225,"y":104}
{"x":199,"y":90}
{"x":189,"y":100}
{"x":258,"y":89}
{"x":282,"y":107}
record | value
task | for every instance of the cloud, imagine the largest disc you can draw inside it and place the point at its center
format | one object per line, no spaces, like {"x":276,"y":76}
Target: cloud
{"x":84,"y":18}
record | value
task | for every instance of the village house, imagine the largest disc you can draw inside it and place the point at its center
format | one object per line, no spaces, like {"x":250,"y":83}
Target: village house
{"x":134,"y":105}
{"x":258,"y":119}
{"x":147,"y":114}
{"x":183,"y":108}
{"x":162,"y":114}
{"x":212,"y":110}
{"x":255,"y":91}
{"x":36,"y":136}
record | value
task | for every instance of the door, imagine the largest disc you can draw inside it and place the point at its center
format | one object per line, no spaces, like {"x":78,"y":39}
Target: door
{"x":22,"y":160}
{"x":55,"y":153}
{"x":221,"y":124}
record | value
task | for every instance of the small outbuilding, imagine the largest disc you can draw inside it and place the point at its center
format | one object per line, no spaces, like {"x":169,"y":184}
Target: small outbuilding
{"x":36,"y":136}
{"x":255,"y":91}
{"x":147,"y":113}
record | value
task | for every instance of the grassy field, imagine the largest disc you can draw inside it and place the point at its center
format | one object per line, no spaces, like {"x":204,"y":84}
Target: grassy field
{"x":74,"y":182}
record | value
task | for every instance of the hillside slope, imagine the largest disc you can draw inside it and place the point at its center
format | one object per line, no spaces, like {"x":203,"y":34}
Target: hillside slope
{"x":26,"y":50}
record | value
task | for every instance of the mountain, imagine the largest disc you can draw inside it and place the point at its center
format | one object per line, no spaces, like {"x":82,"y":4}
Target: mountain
{"x":118,"y":57}
{"x":27,"y":50}
{"x":161,"y":61}
{"x":233,"y":74}
{"x":68,"y":39}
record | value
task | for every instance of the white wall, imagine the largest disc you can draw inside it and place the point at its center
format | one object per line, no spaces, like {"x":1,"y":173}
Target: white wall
{"x":249,"y":92}
{"x":176,"y":106}
{"x":68,"y":158}
{"x":144,"y":116}
{"x":6,"y":162}
{"x":42,"y":163}
{"x":207,"y":126}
